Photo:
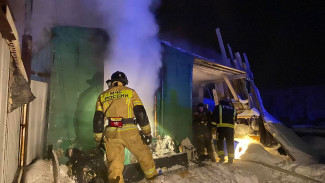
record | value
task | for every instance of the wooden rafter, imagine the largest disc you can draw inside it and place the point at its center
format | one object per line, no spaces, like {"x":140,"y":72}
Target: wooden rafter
{"x":232,"y":90}
{"x":14,"y":44}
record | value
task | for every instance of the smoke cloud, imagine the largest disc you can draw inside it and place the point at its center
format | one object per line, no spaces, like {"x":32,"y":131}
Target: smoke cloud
{"x":134,"y":47}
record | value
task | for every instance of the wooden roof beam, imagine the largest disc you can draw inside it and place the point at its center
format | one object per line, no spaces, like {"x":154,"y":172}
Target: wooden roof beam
{"x":232,"y":90}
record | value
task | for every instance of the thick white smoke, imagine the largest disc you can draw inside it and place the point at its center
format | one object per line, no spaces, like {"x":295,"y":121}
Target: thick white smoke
{"x":134,"y":47}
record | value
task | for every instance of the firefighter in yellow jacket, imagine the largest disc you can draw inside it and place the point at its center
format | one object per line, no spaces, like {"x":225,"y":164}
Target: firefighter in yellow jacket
{"x":120,"y":105}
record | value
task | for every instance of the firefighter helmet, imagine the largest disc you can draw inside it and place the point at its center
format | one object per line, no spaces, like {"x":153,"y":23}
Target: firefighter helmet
{"x":118,"y":76}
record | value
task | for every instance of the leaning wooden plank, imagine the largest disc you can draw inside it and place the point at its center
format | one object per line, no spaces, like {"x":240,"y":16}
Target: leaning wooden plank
{"x":232,"y":90}
{"x":215,"y":97}
{"x":220,"y":89}
{"x":284,"y":148}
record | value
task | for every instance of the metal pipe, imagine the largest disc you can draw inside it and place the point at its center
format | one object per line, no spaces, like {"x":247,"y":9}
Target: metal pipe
{"x":23,"y":136}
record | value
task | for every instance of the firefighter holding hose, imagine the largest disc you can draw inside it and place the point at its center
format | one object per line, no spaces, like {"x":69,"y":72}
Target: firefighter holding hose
{"x":124,"y":110}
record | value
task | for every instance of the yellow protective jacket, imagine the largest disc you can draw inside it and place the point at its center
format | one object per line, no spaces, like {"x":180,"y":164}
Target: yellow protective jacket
{"x":121,"y":101}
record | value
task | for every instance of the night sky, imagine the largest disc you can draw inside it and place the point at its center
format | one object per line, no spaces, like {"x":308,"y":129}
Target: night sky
{"x":283,"y":40}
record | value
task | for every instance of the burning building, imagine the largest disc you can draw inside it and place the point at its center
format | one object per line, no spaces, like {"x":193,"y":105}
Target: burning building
{"x":71,"y":61}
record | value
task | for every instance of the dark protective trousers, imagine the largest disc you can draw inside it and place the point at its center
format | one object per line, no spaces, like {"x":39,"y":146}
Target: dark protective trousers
{"x":228,"y":134}
{"x":205,"y":141}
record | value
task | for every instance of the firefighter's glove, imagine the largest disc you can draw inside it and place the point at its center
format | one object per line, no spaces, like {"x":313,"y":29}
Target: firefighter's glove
{"x":101,"y":145}
{"x":99,"y":141}
{"x":148,"y":139}
{"x":98,"y":137}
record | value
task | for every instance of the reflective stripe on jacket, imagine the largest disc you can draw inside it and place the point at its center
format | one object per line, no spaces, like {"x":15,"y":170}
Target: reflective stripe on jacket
{"x":118,"y":101}
{"x":224,"y":116}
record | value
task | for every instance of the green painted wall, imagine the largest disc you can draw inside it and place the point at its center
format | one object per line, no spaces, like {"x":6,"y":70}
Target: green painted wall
{"x":76,"y":82}
{"x":174,"y":98}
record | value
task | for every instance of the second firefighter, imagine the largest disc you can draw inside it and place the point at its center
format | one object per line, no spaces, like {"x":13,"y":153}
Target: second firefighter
{"x":224,"y":117}
{"x":203,"y":133}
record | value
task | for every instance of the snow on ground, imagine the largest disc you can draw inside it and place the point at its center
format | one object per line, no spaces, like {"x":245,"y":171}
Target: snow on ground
{"x":310,"y":169}
{"x":256,"y":152}
{"x":42,"y":172}
{"x":163,"y":147}
{"x":306,"y":154}
{"x":241,"y":130}
{"x":239,"y":172}
{"x":243,"y":170}
{"x":251,"y":112}
{"x":211,"y":173}
{"x":300,"y":150}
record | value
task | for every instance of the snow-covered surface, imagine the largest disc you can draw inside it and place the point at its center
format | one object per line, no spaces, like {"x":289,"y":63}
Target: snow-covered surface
{"x":211,"y":173}
{"x":306,"y":158}
{"x":300,"y":150}
{"x":42,"y":172}
{"x":241,"y":130}
{"x":243,"y":101}
{"x":249,"y":113}
{"x":240,"y":100}
{"x":164,"y":147}
{"x":242,"y":171}
{"x":187,"y":143}
{"x":239,"y":172}
{"x":315,"y":171}
{"x":256,"y":152}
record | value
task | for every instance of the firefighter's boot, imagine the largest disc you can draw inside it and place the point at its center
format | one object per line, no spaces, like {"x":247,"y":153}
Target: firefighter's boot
{"x":231,"y":160}
{"x":222,"y":159}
